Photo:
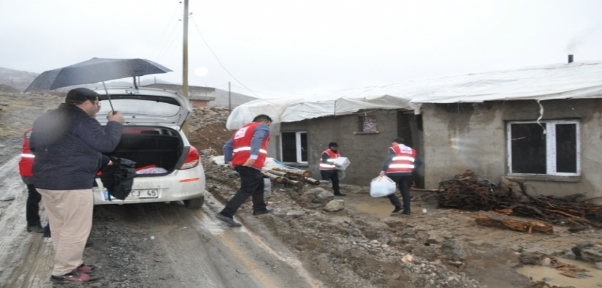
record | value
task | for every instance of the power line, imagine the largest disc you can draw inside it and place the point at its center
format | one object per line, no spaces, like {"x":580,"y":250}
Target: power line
{"x":218,"y":61}
{"x":169,"y":41}
{"x":173,"y":16}
{"x":271,"y":101}
{"x":258,"y":91}
{"x":225,"y":84}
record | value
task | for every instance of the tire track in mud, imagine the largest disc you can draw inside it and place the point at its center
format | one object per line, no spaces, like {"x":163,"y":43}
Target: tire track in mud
{"x":159,"y":245}
{"x":220,"y":256}
{"x":25,"y":257}
{"x":183,"y":246}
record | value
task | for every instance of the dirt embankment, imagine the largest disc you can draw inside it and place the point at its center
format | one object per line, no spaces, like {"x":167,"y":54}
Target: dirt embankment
{"x":208,"y":128}
{"x":17,"y":113}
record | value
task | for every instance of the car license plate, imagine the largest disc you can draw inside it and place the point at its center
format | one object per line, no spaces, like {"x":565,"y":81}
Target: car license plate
{"x":143,"y":194}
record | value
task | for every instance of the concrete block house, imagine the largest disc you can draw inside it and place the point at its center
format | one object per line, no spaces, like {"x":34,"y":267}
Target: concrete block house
{"x":542,"y":125}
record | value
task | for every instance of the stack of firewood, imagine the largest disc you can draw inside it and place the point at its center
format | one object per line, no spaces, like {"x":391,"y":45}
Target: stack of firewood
{"x":289,"y":176}
{"x":467,"y":192}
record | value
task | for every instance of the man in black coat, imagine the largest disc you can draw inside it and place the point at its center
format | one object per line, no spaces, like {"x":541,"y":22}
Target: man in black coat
{"x":67,"y":143}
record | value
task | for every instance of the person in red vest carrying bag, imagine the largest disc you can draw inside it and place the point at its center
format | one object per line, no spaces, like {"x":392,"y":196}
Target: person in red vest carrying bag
{"x":246,"y":152}
{"x":328,"y":169}
{"x":400,"y":163}
{"x":32,"y":207}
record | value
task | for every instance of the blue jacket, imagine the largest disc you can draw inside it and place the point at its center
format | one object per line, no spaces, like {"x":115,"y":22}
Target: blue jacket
{"x":67,"y":144}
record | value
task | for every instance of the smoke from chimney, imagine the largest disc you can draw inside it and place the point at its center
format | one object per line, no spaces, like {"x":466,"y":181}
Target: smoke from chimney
{"x":583,"y":38}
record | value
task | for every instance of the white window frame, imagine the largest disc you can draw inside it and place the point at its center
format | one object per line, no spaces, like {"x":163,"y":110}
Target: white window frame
{"x":550,"y":132}
{"x":298,"y":147}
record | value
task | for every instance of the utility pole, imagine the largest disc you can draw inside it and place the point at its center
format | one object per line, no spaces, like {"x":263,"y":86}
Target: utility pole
{"x":185,"y":64}
{"x":229,"y":98}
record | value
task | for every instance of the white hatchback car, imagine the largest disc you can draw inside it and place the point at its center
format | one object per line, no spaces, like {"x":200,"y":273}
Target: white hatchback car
{"x":168,"y":168}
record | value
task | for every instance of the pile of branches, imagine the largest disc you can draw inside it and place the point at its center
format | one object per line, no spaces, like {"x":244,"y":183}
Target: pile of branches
{"x":467,"y":192}
{"x":289,"y":176}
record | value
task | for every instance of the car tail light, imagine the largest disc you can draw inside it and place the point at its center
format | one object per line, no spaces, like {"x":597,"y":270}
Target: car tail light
{"x":192,"y":159}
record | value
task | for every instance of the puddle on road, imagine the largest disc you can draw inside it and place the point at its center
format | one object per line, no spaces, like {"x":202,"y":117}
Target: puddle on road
{"x":380,"y":207}
{"x":538,"y":273}
{"x":207,"y":213}
{"x":212,"y":227}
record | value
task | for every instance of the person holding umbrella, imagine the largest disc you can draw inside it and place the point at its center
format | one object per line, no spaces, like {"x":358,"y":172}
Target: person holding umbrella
{"x":67,"y":143}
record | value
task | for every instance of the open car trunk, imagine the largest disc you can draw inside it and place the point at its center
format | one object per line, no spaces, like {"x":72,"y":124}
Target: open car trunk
{"x":152,"y":148}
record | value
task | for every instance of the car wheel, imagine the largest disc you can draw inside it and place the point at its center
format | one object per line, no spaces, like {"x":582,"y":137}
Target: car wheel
{"x":195,"y":203}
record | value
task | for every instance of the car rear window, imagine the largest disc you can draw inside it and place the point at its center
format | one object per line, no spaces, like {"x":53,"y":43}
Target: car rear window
{"x":148,"y":130}
{"x":139,"y":107}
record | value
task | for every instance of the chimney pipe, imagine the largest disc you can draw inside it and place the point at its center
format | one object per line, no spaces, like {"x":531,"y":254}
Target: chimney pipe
{"x":570,"y":58}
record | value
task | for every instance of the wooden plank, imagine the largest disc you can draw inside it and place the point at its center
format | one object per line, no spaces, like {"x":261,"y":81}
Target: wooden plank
{"x":501,"y":221}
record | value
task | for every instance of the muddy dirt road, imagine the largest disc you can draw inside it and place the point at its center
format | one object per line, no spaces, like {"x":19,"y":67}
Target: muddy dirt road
{"x":156,"y":245}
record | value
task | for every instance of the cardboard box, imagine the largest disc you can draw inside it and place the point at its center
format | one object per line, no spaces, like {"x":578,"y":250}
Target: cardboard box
{"x":342,"y":163}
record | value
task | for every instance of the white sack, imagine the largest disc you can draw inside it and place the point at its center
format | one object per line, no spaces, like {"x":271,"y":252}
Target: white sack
{"x":382,"y":186}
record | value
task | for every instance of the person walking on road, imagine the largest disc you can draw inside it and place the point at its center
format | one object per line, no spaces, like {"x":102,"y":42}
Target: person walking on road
{"x":246,"y":152}
{"x":400,"y":163}
{"x":328,"y":169}
{"x":67,"y":143}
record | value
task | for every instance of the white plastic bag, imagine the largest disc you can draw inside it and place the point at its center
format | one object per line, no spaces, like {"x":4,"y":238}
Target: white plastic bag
{"x":382,"y":186}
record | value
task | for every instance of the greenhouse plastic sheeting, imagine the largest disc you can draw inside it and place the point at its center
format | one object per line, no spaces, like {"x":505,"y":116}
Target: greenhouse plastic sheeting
{"x":561,"y":81}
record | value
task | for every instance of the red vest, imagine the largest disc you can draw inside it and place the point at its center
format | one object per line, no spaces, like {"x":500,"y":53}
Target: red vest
{"x":26,"y":162}
{"x":331,"y":158}
{"x":241,"y":142}
{"x":403,"y":162}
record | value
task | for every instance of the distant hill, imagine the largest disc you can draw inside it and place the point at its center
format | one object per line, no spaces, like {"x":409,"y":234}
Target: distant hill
{"x":221,"y":98}
{"x":20,"y":80}
{"x":16,"y":79}
{"x":8,"y":89}
{"x":122,"y":83}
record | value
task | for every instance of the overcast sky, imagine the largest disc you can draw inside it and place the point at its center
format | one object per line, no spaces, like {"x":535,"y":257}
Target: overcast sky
{"x":276,"y":48}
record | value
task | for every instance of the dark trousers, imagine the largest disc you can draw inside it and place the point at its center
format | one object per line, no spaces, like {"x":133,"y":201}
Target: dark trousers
{"x":403,"y":183}
{"x":251,"y":185}
{"x":32,"y":207}
{"x":333,"y":176}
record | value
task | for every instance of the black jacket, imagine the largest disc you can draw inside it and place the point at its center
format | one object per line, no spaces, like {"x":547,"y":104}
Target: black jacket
{"x":67,"y":144}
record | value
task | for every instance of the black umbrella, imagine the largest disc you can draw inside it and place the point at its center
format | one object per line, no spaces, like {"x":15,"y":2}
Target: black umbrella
{"x":93,"y":71}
